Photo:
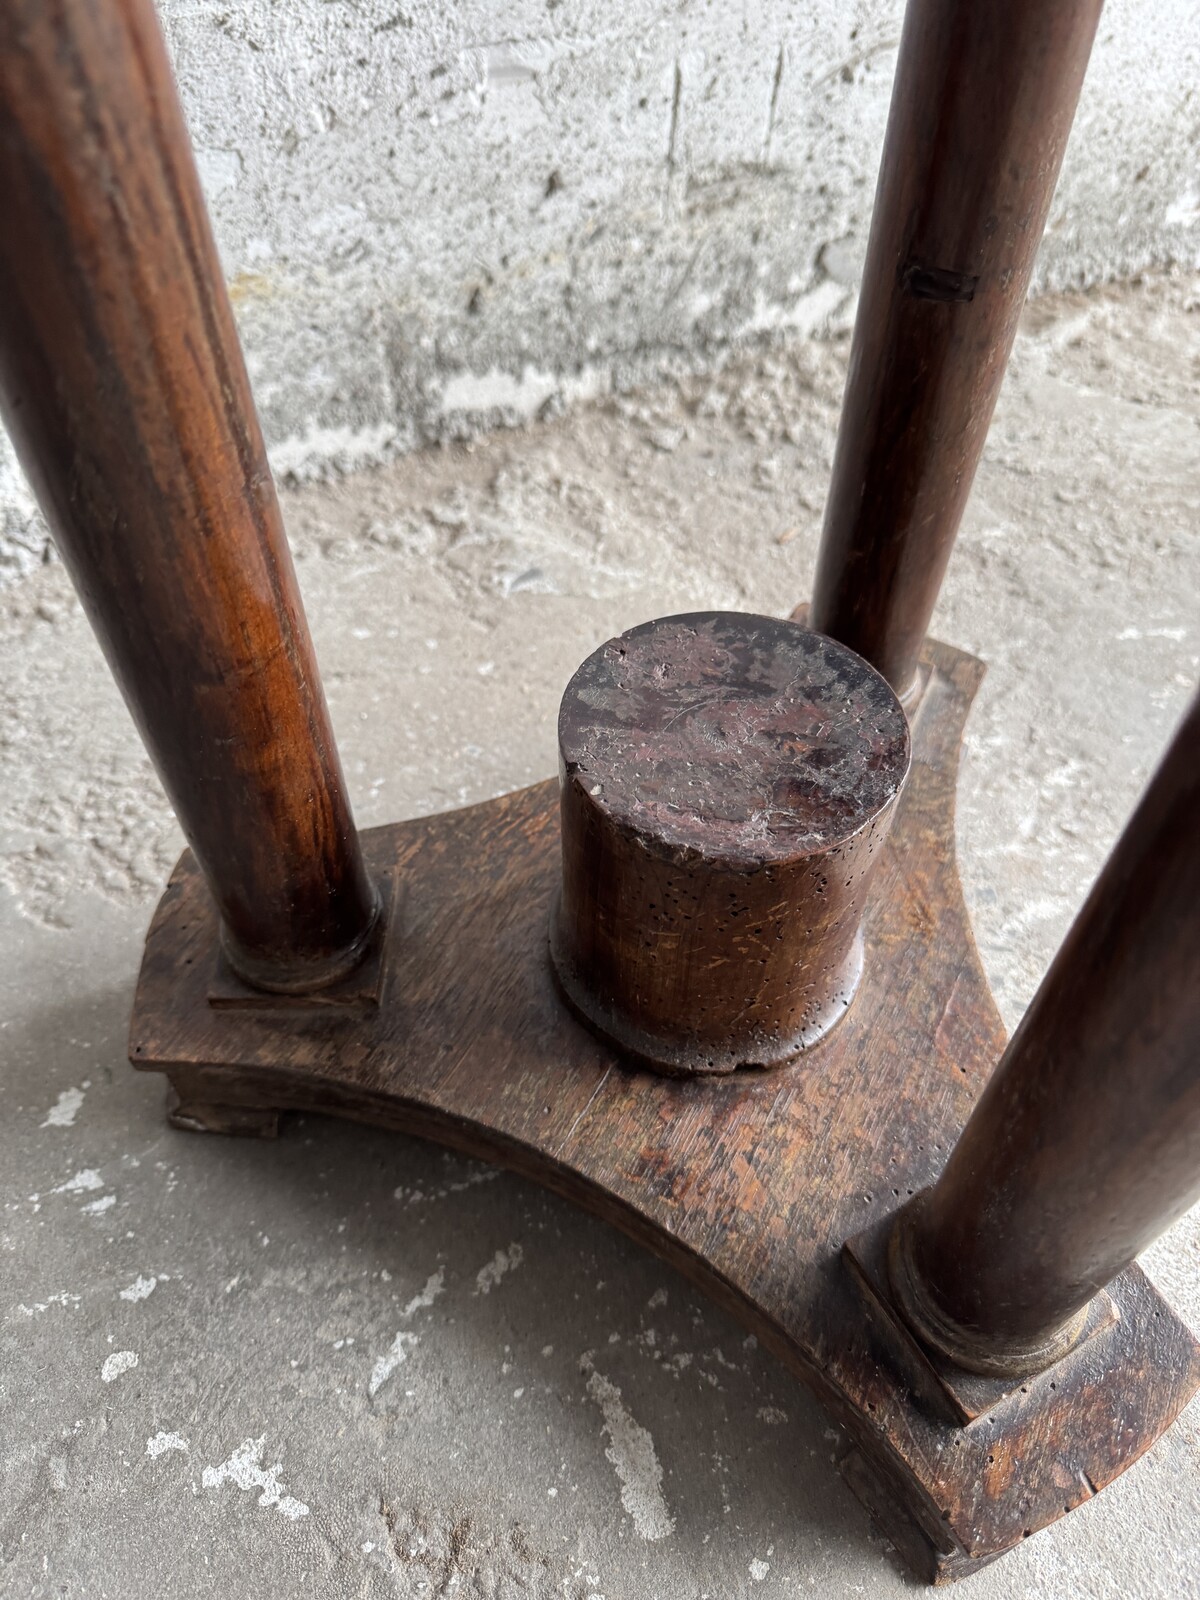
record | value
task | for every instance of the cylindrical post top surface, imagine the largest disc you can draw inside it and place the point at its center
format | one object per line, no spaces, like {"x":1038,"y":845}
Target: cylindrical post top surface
{"x":726,"y":780}
{"x":743,"y":735}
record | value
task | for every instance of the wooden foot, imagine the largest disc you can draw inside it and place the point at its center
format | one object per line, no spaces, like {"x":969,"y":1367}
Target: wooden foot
{"x":191,"y":1115}
{"x":750,"y":1184}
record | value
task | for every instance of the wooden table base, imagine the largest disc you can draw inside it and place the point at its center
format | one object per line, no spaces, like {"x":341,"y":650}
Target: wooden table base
{"x":751,"y":1185}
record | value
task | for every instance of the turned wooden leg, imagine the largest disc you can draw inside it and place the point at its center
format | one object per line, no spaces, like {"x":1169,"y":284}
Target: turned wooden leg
{"x":981,"y":109}
{"x":125,"y":393}
{"x":1086,"y":1143}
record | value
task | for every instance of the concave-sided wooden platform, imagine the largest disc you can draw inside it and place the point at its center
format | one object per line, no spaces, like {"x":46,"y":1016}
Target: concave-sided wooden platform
{"x":751,"y":1184}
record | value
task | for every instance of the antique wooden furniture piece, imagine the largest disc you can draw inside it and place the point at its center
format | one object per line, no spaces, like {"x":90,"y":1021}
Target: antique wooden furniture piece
{"x":698,"y":988}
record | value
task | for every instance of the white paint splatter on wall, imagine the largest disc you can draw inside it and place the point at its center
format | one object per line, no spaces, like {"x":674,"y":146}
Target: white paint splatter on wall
{"x":476,"y":1174}
{"x":502,"y":1263}
{"x":39,"y":1306}
{"x":140,"y":1289}
{"x":397,"y":1352}
{"x":81,"y":1183}
{"x":120,"y":1361}
{"x":387,"y":1364}
{"x":65,"y":1109}
{"x":245,"y":1469}
{"x":163,"y":1442}
{"x":632,"y":1453}
{"x":434,"y":1286}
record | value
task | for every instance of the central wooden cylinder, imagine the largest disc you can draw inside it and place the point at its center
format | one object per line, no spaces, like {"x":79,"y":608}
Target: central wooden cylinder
{"x":726,"y":784}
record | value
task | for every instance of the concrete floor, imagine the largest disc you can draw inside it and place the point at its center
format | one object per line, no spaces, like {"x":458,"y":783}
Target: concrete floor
{"x":350,"y":1364}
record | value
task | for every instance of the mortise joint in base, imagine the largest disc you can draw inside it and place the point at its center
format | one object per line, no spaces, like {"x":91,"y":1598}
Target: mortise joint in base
{"x":964,"y":1347}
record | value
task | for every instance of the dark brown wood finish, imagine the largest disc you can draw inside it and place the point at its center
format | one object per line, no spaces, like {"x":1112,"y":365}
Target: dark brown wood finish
{"x":982,"y":105}
{"x":1086,"y":1143}
{"x":125,"y":393}
{"x":124,"y":390}
{"x":748,"y":1183}
{"x":727,"y":782}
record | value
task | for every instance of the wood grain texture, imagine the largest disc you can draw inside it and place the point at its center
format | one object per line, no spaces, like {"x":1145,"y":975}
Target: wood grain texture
{"x":125,"y":393}
{"x":982,"y":105}
{"x":1086,"y":1144}
{"x":727,"y":782}
{"x":749,"y":1184}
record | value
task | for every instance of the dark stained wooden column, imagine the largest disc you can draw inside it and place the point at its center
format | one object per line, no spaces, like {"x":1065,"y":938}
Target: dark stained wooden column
{"x":1086,"y":1143}
{"x":125,"y":393}
{"x":982,"y":105}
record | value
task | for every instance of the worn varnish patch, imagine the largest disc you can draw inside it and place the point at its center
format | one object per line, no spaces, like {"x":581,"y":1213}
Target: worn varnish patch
{"x":740,"y":736}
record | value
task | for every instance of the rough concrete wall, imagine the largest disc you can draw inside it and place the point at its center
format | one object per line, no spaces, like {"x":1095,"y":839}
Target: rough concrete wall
{"x":439,"y":217}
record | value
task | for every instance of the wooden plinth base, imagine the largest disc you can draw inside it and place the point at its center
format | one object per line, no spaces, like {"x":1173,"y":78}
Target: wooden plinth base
{"x":751,"y":1185}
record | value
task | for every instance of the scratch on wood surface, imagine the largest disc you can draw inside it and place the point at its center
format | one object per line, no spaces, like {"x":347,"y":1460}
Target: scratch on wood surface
{"x":943,"y":1040}
{"x":585,"y":1110}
